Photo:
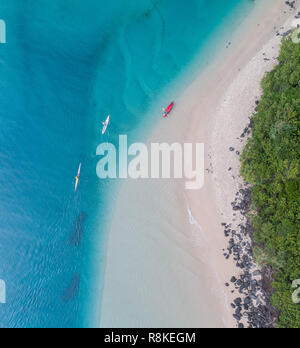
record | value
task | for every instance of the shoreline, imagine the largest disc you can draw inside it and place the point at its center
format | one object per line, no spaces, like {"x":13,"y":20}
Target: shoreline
{"x":179,"y":249}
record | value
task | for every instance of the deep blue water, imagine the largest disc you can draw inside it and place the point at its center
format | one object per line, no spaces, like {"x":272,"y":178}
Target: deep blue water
{"x":66,"y":65}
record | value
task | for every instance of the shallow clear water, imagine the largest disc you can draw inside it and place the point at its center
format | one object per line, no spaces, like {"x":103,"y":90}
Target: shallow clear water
{"x":66,"y":65}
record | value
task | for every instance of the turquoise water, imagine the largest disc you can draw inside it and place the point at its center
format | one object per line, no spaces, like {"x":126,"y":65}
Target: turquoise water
{"x":66,"y":65}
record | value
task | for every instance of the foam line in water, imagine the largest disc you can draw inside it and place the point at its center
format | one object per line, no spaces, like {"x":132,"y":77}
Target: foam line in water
{"x":198,"y":236}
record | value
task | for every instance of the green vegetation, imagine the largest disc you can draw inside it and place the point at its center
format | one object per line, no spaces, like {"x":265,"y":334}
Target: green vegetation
{"x":271,"y":163}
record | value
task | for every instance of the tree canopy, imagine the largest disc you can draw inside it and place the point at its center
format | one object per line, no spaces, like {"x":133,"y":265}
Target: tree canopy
{"x":271,"y":163}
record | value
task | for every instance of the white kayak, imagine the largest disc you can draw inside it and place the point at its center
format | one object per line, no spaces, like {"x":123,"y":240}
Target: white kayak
{"x":105,"y":125}
{"x":77,"y":177}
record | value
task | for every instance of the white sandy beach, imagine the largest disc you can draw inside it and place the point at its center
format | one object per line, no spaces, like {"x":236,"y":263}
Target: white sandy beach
{"x":219,"y":120}
{"x":171,"y":272}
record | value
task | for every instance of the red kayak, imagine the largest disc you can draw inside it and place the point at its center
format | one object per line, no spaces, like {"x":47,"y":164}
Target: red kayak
{"x":168,"y":109}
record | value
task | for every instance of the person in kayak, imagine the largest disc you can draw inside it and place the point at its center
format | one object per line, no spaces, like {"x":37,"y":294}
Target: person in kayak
{"x":167,"y":111}
{"x":77,"y":177}
{"x":105,"y":125}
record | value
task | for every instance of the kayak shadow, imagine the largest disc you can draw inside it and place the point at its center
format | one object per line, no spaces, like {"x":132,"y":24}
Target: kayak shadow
{"x":77,"y":233}
{"x":72,"y":290}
